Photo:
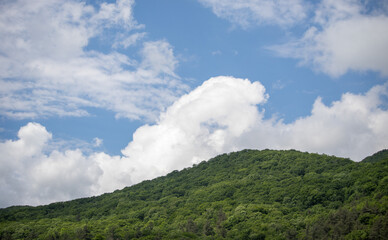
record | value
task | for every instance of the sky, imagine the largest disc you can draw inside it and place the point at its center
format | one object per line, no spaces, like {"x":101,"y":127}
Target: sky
{"x":99,"y":95}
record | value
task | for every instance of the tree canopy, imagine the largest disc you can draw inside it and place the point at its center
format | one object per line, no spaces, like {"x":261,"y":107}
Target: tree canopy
{"x":249,"y":194}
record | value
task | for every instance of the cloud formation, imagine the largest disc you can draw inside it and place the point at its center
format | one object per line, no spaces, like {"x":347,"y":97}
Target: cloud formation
{"x":200,"y":124}
{"x":351,"y":127}
{"x":30,"y":175}
{"x":48,"y":66}
{"x":246,"y":13}
{"x":345,"y":37}
{"x":221,"y":115}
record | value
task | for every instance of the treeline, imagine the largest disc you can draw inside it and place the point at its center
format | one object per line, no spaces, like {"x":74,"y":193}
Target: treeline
{"x":243,"y":195}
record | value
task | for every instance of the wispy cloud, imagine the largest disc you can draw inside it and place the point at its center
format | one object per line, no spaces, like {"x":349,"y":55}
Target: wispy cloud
{"x":97,"y":142}
{"x":125,"y":41}
{"x":278,"y":85}
{"x":47,"y":66}
{"x":217,"y":52}
{"x":246,"y":13}
{"x":345,"y":37}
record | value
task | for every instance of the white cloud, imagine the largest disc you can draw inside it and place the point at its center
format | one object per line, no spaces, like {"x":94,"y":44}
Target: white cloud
{"x":219,"y":116}
{"x":29,"y":175}
{"x":217,"y":52}
{"x":345,"y":37}
{"x":97,"y":142}
{"x":256,"y":12}
{"x":127,"y":41}
{"x":278,"y":85}
{"x":47,"y":66}
{"x":200,"y":124}
{"x":118,"y":13}
{"x":351,"y":127}
{"x":32,"y":172}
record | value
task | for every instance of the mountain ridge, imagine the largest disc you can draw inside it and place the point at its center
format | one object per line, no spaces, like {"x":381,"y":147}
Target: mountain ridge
{"x":378,"y":156}
{"x":251,"y":194}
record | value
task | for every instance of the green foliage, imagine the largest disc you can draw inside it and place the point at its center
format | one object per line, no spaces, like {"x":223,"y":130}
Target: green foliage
{"x":243,"y":195}
{"x":381,"y":155}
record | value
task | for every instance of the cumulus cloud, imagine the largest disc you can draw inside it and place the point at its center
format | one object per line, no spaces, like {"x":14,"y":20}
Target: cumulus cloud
{"x":48,"y":65}
{"x":344,"y":37}
{"x":351,"y":127}
{"x":246,"y":13}
{"x":221,"y":115}
{"x":34,"y":171}
{"x":30,"y":175}
{"x":199,"y":125}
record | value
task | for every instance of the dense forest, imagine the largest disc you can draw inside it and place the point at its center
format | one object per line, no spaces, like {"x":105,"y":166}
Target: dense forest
{"x":242,"y":195}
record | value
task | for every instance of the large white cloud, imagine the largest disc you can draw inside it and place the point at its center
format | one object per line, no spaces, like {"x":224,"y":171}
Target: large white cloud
{"x":30,"y":175}
{"x":345,"y":36}
{"x":199,"y":125}
{"x":48,"y":65}
{"x":34,"y":170}
{"x":219,"y":116}
{"x":257,"y":12}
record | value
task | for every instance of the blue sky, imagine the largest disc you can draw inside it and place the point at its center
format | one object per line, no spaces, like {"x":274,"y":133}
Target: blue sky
{"x":104,"y":94}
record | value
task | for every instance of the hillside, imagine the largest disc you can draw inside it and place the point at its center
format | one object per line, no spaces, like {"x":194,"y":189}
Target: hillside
{"x":380,"y":155}
{"x":243,"y":195}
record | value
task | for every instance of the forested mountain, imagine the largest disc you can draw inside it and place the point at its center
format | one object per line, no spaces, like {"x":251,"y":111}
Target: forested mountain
{"x":243,"y":195}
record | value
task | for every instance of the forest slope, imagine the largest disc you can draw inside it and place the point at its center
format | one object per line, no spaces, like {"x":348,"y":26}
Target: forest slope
{"x":243,"y":195}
